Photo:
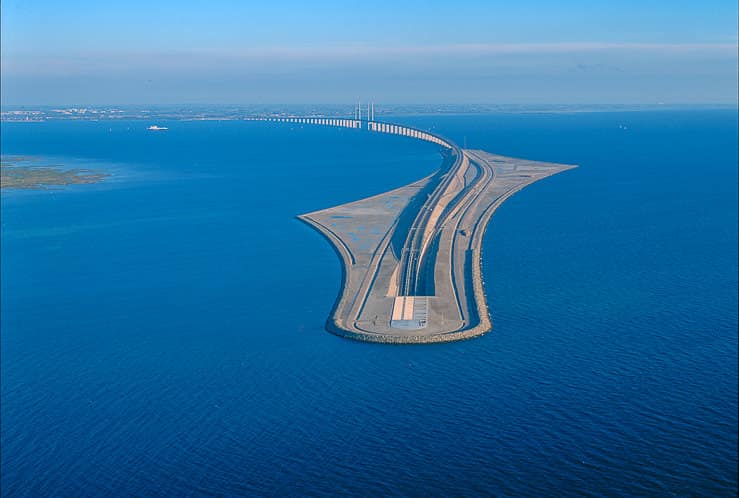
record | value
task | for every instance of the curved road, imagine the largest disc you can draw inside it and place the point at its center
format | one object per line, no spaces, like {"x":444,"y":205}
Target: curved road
{"x":411,"y":256}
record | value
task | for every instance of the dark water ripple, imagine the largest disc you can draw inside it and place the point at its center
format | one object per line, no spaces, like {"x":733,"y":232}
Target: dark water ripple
{"x":162,"y":335}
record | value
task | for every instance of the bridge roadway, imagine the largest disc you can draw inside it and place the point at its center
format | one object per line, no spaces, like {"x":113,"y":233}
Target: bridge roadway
{"x":430,"y":288}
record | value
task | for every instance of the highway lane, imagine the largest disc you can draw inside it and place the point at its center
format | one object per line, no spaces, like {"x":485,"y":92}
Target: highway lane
{"x":411,"y":257}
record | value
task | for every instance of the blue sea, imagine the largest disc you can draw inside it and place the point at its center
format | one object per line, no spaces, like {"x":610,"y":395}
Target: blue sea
{"x":163,"y":331}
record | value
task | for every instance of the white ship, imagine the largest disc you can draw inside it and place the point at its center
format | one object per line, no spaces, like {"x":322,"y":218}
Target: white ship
{"x":157,"y":128}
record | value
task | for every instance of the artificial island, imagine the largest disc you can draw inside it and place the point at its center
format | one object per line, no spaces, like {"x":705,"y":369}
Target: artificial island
{"x":411,"y":256}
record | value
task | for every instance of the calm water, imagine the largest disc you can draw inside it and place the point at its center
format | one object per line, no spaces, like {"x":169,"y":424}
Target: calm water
{"x":162,"y":332}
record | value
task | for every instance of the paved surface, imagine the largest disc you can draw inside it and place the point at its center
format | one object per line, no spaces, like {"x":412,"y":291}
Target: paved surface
{"x":411,"y":256}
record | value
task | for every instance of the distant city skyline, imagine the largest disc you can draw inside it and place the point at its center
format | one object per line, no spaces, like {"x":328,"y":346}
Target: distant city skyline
{"x":183,"y":52}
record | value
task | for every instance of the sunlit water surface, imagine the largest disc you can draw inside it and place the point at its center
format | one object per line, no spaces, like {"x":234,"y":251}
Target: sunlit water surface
{"x":162,"y":332}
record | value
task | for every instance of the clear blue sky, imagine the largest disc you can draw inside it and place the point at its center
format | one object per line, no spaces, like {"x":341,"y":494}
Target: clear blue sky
{"x":570,"y":51}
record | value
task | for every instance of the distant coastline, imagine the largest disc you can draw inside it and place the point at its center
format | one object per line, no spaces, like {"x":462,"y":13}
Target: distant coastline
{"x":35,"y":114}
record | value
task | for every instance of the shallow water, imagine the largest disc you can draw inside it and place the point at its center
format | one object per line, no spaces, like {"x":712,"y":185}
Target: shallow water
{"x":162,"y":332}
